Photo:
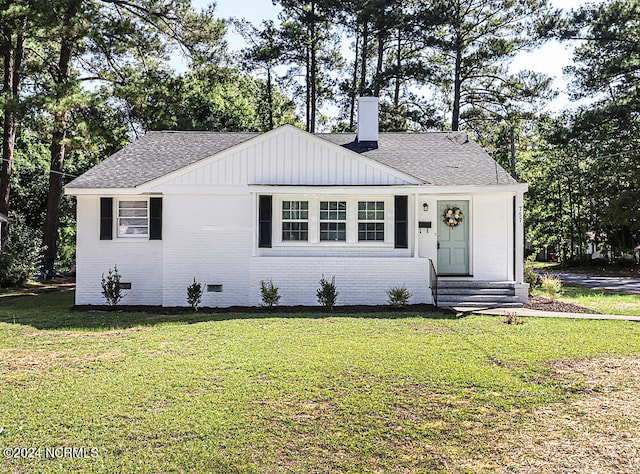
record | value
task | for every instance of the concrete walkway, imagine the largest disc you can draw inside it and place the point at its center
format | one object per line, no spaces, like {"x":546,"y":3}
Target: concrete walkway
{"x":611,"y":283}
{"x":551,"y":314}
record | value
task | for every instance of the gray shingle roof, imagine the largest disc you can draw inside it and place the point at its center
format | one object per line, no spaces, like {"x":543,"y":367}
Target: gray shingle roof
{"x":154,"y":155}
{"x":437,"y":158}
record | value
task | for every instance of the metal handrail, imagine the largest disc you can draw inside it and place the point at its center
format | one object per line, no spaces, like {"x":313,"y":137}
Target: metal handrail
{"x":433,"y":282}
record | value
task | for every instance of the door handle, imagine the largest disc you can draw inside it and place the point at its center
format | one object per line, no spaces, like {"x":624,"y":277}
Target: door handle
{"x":438,"y":245}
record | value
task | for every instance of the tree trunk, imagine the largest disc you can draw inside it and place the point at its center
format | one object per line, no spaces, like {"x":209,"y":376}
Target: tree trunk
{"x":396,"y":92}
{"x":314,"y":72}
{"x":363,"y":63}
{"x":457,"y":86}
{"x":59,"y":135}
{"x":378,"y":80}
{"x":269,"y":97}
{"x":354,"y":83}
{"x":11,"y":86}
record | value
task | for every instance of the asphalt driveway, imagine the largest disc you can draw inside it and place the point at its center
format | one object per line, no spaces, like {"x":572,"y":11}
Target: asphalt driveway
{"x":618,"y":284}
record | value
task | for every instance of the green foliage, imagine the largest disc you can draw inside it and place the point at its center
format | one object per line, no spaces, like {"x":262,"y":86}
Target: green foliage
{"x":530,"y":276}
{"x":327,"y":294}
{"x":398,"y":296}
{"x":194,"y":294}
{"x":551,"y":286}
{"x":269,"y":294}
{"x":111,"y":287}
{"x":21,"y":257}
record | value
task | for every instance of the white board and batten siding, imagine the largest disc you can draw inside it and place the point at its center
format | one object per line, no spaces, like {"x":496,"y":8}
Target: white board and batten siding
{"x":492,"y":237}
{"x":285,"y":159}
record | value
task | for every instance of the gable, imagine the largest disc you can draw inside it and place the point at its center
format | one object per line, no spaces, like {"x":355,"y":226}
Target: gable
{"x":287,"y":156}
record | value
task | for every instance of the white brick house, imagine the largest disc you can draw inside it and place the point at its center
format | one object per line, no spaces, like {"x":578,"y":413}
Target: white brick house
{"x":232,"y":209}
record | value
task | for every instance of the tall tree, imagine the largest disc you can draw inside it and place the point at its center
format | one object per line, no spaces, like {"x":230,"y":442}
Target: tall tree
{"x":264,"y":54}
{"x":312,"y":46}
{"x":475,"y":40}
{"x":607,"y":62}
{"x":102,"y":37}
{"x":13,"y":24}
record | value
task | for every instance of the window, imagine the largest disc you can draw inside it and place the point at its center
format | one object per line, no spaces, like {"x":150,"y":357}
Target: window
{"x":295,"y":220}
{"x":133,"y":219}
{"x":333,"y":220}
{"x":371,"y":220}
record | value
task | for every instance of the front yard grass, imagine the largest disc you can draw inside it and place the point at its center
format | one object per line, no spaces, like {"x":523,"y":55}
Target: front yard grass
{"x":387,"y":392}
{"x":601,"y":301}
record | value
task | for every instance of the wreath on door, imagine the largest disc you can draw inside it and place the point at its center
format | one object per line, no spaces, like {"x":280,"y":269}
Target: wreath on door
{"x":452,"y":216}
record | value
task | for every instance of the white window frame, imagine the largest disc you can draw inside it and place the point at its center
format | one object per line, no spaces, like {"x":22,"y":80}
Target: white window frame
{"x":314,"y":222}
{"x":298,"y":220}
{"x":121,"y":235}
{"x":375,"y":220}
{"x":330,"y":220}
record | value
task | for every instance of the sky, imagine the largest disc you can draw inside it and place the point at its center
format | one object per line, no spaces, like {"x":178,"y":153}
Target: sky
{"x":549,"y":59}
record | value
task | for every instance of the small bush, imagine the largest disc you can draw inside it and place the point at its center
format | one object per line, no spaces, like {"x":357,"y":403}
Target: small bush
{"x":269,"y":293}
{"x":111,"y":288}
{"x":194,"y":294}
{"x":512,"y":318}
{"x":551,"y":286}
{"x":21,"y":256}
{"x":327,"y":294}
{"x":530,"y":276}
{"x":398,"y":296}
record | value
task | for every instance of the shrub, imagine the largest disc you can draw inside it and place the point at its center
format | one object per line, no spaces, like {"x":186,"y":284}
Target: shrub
{"x":398,"y":296}
{"x":269,"y":292}
{"x":327,"y":294}
{"x":530,"y":276}
{"x":111,"y":288}
{"x":551,"y":286}
{"x":194,"y":294}
{"x":21,"y":256}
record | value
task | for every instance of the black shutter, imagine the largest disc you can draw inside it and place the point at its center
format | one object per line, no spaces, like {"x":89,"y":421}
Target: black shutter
{"x":155,"y":218}
{"x":106,"y":218}
{"x":401,"y":223}
{"x":264,"y":221}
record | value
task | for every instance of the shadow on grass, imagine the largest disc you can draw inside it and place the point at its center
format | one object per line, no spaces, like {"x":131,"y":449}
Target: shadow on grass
{"x":56,"y":311}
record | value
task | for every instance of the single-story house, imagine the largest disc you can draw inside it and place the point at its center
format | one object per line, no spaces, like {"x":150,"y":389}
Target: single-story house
{"x":375,"y":210}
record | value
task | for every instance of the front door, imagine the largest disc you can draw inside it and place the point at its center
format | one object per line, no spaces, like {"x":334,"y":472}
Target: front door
{"x":453,"y":238}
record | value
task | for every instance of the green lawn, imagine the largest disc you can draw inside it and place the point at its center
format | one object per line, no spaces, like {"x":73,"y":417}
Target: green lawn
{"x":601,"y":301}
{"x":387,"y":392}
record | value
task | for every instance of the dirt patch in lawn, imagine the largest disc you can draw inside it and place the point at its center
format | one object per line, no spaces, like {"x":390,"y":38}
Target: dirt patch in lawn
{"x":545,"y":304}
{"x":19,"y":362}
{"x":599,"y":431}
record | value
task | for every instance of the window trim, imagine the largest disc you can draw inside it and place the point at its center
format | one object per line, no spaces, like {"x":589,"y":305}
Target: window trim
{"x":117,"y":219}
{"x":300,"y":221}
{"x":344,"y":221}
{"x":314,"y":242}
{"x":372,"y":221}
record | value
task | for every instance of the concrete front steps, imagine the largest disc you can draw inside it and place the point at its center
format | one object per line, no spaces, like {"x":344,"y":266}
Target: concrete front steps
{"x":474,"y":294}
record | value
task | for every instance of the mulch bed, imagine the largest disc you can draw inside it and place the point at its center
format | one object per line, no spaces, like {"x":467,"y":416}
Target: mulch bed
{"x":545,"y":304}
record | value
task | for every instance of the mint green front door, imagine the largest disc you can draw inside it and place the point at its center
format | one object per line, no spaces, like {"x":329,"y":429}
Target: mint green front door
{"x":453,"y":241}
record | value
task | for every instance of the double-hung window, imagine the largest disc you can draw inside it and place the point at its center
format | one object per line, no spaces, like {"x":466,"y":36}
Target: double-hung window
{"x":333,"y":220}
{"x":371,"y":220}
{"x":295,"y":220}
{"x":133,"y":218}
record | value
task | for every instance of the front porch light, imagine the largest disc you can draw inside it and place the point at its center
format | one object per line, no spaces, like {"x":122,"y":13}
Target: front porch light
{"x":425,"y":207}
